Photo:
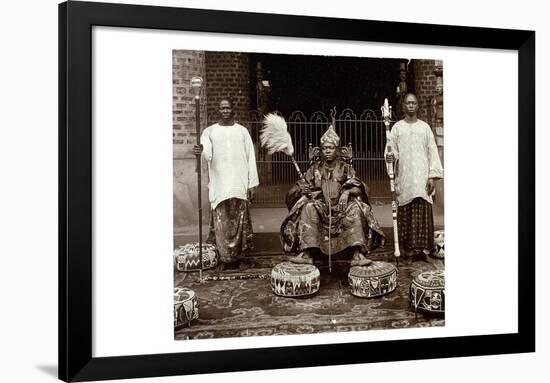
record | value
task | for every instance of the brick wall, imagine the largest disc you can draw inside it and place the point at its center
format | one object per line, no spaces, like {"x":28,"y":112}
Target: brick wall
{"x":425,"y":85}
{"x":426,"y":92}
{"x":186,"y":64}
{"x":227,"y":75}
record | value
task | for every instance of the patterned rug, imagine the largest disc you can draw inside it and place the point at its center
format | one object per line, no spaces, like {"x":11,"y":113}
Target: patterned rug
{"x":236,"y":303}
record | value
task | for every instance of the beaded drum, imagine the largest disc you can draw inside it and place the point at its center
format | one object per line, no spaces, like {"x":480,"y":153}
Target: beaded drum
{"x":375,"y":279}
{"x":439,"y":244}
{"x":293,"y":280}
{"x":185,"y":306}
{"x":186,"y":257}
{"x":427,"y":292}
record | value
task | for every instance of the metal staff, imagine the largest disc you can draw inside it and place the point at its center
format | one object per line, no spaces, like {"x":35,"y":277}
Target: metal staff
{"x":386,"y":114}
{"x":196,"y":84}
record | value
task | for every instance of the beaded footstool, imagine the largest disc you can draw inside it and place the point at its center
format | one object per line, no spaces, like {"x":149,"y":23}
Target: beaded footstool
{"x":186,"y":307}
{"x":293,"y":280}
{"x":373,"y":280}
{"x":439,"y":244}
{"x":427,"y":292}
{"x":186,"y":257}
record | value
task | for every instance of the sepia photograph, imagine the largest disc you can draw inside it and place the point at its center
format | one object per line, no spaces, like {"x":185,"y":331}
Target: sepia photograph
{"x":286,"y":176}
{"x":308,"y":194}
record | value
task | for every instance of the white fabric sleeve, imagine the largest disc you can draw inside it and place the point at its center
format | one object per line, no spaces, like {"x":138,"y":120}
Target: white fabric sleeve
{"x":252,"y":171}
{"x":206,"y":145}
{"x":434,"y":162}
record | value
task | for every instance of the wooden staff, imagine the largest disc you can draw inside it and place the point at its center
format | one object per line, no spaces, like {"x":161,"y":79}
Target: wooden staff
{"x":386,"y":113}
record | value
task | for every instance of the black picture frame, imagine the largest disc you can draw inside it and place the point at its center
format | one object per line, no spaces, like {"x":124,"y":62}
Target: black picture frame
{"x":76,"y":20}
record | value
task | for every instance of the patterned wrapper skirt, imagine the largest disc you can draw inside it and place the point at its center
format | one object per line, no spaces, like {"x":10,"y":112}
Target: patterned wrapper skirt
{"x":416,"y":226}
{"x":231,"y":229}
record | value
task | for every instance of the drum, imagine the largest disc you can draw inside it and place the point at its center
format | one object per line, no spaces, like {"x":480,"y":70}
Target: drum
{"x":427,"y":292}
{"x":186,"y":257}
{"x":439,"y":244}
{"x":185,"y":306}
{"x":373,"y":280}
{"x":293,"y":280}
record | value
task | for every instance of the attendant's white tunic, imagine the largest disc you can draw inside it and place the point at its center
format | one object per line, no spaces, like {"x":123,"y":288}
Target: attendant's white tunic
{"x":231,"y":162}
{"x":415,"y":150}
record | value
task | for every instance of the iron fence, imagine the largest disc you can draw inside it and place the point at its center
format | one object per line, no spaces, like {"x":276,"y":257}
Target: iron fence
{"x":365,"y":133}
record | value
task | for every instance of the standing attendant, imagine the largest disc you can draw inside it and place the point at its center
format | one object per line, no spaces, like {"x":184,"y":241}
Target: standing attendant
{"x":227,"y":147}
{"x":417,"y":168}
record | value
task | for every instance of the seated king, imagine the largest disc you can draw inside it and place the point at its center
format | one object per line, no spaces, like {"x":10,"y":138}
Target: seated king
{"x":329,"y":211}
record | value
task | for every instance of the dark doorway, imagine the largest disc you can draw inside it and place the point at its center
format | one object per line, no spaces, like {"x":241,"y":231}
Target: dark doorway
{"x":312,"y":83}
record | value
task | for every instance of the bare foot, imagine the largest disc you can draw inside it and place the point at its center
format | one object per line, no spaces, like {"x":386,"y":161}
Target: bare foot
{"x":303,"y":258}
{"x":359,"y":259}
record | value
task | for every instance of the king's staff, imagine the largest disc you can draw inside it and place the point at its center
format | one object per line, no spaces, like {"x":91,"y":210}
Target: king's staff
{"x":386,"y":114}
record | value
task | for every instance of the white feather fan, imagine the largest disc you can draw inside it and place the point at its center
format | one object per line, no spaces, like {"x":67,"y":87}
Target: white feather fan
{"x":275,"y":137}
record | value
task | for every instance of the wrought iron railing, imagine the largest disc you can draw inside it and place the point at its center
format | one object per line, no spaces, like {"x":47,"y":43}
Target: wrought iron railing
{"x":365,"y":133}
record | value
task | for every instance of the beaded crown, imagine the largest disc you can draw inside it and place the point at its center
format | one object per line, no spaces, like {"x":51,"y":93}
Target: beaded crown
{"x":331,"y":137}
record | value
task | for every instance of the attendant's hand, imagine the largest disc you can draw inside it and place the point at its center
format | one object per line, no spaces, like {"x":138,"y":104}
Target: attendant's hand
{"x":390,"y":157}
{"x":252,"y":193}
{"x":430,"y":186}
{"x":343,"y":201}
{"x":197,"y":150}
